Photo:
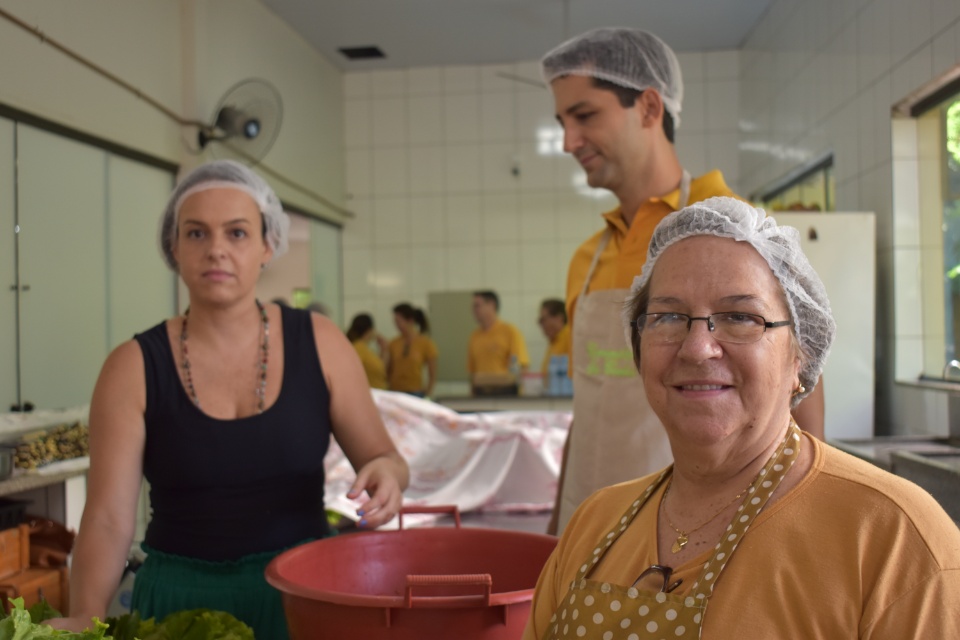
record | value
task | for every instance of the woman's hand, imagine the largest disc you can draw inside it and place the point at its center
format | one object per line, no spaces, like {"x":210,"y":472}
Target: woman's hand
{"x":382,"y":479}
{"x":383,"y":344}
{"x":76,"y":624}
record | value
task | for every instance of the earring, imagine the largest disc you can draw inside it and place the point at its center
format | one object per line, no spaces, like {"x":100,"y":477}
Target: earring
{"x":800,"y":389}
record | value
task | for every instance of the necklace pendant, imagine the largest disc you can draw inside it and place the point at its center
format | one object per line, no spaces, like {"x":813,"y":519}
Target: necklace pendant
{"x":681,"y":542}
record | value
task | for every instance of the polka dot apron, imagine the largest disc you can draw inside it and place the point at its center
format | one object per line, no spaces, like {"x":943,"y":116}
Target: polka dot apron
{"x":602,"y":611}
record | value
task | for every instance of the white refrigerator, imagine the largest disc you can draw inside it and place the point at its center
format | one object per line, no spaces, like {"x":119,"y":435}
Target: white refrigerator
{"x":842,"y":248}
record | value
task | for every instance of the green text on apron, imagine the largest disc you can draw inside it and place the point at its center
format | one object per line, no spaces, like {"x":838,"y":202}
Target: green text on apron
{"x":616,"y":435}
{"x":601,"y":611}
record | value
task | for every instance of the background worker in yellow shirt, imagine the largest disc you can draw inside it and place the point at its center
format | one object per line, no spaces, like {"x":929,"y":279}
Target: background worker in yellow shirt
{"x":495,"y":346}
{"x":410,"y":352}
{"x":360,"y":334}
{"x":618,"y":95}
{"x":553,"y":323}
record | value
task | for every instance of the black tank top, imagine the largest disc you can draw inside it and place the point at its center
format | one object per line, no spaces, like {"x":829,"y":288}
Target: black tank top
{"x":224,"y":489}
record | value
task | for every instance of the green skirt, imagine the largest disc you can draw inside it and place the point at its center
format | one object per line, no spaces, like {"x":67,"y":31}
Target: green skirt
{"x":167,"y":583}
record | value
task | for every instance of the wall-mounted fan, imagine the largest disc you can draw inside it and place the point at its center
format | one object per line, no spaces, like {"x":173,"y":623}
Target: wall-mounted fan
{"x":245,"y":123}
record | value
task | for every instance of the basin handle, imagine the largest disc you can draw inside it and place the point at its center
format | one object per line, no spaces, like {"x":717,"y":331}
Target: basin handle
{"x":449,"y":509}
{"x":484,"y":580}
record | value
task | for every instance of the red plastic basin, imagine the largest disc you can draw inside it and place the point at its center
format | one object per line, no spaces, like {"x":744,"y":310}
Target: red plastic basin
{"x":416,"y":584}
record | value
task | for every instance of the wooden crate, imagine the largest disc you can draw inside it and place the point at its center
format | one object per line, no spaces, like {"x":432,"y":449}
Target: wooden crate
{"x":34,"y":585}
{"x":14,"y":550}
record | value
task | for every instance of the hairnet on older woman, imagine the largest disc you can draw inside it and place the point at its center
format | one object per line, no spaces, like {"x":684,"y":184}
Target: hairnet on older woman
{"x":806,"y":297}
{"x":226,"y":174}
{"x":630,"y":58}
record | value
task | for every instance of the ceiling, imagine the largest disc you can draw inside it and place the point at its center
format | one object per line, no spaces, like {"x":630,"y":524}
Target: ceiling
{"x":418,"y":33}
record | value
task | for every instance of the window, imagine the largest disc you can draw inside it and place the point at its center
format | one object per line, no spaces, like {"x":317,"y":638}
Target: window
{"x":949,"y":118}
{"x":811,"y":188}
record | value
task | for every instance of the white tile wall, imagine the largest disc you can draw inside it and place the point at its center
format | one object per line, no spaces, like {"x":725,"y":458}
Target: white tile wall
{"x":451,"y":192}
{"x":820,"y":76}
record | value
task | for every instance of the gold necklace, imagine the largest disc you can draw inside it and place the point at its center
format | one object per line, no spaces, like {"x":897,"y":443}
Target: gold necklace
{"x":683,"y":537}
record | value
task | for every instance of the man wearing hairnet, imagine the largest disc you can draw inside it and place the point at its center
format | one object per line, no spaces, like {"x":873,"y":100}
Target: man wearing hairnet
{"x":618,"y":94}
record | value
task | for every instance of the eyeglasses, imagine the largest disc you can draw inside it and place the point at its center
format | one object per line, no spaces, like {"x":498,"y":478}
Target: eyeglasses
{"x":666,"y":572}
{"x":729,"y":326}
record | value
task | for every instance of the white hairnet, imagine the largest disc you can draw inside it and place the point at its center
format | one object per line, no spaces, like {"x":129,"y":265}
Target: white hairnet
{"x":806,"y":296}
{"x":233,"y":175}
{"x":630,"y":58}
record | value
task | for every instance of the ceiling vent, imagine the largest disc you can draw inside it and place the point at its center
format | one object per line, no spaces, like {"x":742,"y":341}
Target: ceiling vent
{"x":362,"y":53}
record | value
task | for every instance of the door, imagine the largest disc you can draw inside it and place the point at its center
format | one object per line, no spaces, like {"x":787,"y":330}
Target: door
{"x":8,"y":295}
{"x":61,"y":206}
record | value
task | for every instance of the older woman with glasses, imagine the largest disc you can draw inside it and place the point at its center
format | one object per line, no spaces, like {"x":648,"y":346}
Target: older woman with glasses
{"x":757,"y":530}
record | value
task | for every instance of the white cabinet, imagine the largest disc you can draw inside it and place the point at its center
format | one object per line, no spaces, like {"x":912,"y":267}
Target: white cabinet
{"x":90,"y":274}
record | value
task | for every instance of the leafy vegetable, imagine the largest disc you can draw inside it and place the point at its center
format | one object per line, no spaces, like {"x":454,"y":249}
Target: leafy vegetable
{"x":20,"y":625}
{"x":192,"y":624}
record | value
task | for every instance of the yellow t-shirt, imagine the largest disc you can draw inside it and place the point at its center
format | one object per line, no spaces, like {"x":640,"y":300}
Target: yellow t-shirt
{"x":626,"y":252}
{"x":850,"y":552}
{"x":406,"y":364}
{"x":561,"y":346}
{"x":490,"y":351}
{"x":372,"y":365}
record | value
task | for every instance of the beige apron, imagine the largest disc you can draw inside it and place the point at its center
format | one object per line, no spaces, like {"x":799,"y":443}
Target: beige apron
{"x":598,"y":611}
{"x":617,"y":436}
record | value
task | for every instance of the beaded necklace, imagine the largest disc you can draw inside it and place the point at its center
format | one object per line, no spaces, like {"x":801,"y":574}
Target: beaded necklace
{"x":260,"y":391}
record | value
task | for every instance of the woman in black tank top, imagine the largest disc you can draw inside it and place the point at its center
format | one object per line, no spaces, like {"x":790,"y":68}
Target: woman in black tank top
{"x":227,"y":412}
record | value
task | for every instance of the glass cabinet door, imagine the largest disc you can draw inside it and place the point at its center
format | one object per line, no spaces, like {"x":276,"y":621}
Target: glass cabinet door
{"x":63,"y":331}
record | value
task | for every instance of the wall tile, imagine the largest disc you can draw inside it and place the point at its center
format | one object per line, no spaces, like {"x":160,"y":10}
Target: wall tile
{"x":538,"y":217}
{"x":534,"y":113}
{"x":499,"y":217}
{"x":722,"y":105}
{"x":497,"y":117}
{"x":424,"y":120}
{"x":424,"y":81}
{"x":464,"y":267}
{"x":390,"y":171}
{"x":530,"y":72}
{"x":498,"y":164}
{"x":425,"y":170}
{"x":389,"y":119}
{"x":907,"y":289}
{"x":461,"y":79}
{"x":428,"y":269}
{"x":357,"y":271}
{"x":391,"y":222}
{"x":501,"y":267}
{"x":943,"y":13}
{"x":906,"y":203}
{"x":536,"y":171}
{"x":358,"y":124}
{"x":944,"y":49}
{"x":461,"y":118}
{"x":391,"y":270}
{"x":427,"y":220}
{"x":462,"y":171}
{"x":358,"y":231}
{"x":388,"y":83}
{"x":692,"y":65}
{"x":541,"y":271}
{"x":359,"y":176}
{"x":693,"y":115}
{"x":462,"y":220}
{"x":722,"y":65}
{"x":356,"y":84}
{"x":495,"y":78}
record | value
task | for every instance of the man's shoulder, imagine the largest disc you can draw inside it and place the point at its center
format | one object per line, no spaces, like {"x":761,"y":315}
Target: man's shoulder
{"x":710,"y":185}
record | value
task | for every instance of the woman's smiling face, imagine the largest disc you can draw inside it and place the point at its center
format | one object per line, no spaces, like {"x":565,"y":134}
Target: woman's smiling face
{"x":704,"y":390}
